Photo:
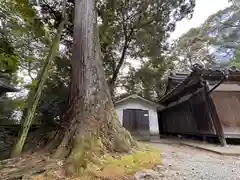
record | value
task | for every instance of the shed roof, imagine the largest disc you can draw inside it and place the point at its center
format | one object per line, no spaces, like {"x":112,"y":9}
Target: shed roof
{"x":232,"y":74}
{"x":182,"y":83}
{"x":135,"y":96}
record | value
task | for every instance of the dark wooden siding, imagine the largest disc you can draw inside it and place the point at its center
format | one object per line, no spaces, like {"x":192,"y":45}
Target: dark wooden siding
{"x":136,"y":121}
{"x":188,"y":117}
{"x":228,"y":109}
{"x":129,"y":120}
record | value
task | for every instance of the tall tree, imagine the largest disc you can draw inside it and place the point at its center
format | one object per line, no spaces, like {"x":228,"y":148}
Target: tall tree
{"x":150,"y":20}
{"x":54,"y":99}
{"x":149,"y":80}
{"x":216,"y":40}
{"x":20,"y":40}
{"x":136,"y":29}
{"x":193,"y":47}
{"x":90,"y":115}
{"x":35,"y":94}
{"x":150,"y":28}
{"x":124,"y":27}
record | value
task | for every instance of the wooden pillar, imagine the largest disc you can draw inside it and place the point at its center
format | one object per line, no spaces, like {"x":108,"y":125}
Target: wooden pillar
{"x":204,"y":138}
{"x":215,"y":118}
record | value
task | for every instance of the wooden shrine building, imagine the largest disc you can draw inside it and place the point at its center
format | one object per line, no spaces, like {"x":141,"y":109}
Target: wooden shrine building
{"x":5,"y":86}
{"x":202,"y":102}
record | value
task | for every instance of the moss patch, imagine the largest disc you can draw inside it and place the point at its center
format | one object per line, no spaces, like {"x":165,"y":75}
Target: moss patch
{"x":85,"y":153}
{"x":111,"y":166}
{"x":114,"y":166}
{"x":87,"y":164}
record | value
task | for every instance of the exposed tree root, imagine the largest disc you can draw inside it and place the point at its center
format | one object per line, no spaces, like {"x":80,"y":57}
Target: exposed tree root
{"x":107,"y":134}
{"x":84,"y":142}
{"x":87,"y":159}
{"x":27,"y":166}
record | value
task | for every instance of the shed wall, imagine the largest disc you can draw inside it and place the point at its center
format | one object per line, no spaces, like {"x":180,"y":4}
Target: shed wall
{"x":228,"y":109}
{"x":227,"y":87}
{"x":190,"y":117}
{"x":139,"y":104}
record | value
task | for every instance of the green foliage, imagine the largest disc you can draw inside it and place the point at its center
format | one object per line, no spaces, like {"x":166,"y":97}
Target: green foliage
{"x":193,"y":47}
{"x":216,"y":41}
{"x":8,"y":63}
{"x":31,"y":21}
{"x":128,"y":29}
{"x":54,"y":100}
{"x":35,"y":94}
{"x":22,"y":48}
{"x":139,"y":23}
{"x":149,"y":80}
{"x":140,"y":27}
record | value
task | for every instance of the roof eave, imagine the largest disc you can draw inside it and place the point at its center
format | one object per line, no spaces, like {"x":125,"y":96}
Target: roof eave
{"x":134,"y":96}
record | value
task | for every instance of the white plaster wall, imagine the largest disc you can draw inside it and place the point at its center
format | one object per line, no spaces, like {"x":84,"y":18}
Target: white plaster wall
{"x":139,"y":104}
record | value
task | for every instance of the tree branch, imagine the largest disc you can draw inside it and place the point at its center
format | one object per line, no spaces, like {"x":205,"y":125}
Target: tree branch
{"x":125,"y":47}
{"x":229,"y":25}
{"x":117,"y":70}
{"x":29,"y":71}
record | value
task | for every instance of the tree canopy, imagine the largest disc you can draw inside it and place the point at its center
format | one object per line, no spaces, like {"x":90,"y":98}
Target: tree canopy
{"x":129,"y":31}
{"x":215,"y":42}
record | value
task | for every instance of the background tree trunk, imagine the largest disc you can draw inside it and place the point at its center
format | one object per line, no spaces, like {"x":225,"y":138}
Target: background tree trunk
{"x":35,"y":94}
{"x":90,"y":118}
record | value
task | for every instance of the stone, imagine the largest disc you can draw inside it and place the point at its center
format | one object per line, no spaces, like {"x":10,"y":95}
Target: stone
{"x":158,"y":168}
{"x":148,"y":174}
{"x":60,"y":163}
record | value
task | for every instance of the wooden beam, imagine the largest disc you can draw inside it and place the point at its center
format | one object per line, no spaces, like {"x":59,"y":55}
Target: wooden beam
{"x":215,"y":118}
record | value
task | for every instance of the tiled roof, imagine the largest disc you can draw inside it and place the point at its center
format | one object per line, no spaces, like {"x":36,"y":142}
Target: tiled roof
{"x":179,"y":82}
{"x":6,"y":87}
{"x":231,"y":74}
{"x":134,"y":96}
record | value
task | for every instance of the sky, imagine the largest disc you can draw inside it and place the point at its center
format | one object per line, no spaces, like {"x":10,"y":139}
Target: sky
{"x":203,"y":9}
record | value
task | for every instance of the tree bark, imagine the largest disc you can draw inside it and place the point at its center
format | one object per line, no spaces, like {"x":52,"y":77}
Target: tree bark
{"x":117,"y":70}
{"x":35,"y":94}
{"x":90,"y":118}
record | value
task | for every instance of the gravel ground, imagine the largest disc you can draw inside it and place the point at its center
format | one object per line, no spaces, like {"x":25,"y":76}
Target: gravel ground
{"x":182,"y":162}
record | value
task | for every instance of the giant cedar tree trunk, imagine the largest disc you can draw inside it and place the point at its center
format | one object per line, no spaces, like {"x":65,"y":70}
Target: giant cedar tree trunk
{"x":91,"y":115}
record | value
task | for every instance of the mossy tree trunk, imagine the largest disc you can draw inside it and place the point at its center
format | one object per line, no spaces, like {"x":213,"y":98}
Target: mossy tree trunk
{"x":90,"y":118}
{"x":35,"y":94}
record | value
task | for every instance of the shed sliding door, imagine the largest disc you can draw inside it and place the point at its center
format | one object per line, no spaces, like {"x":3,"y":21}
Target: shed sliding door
{"x":136,"y":121}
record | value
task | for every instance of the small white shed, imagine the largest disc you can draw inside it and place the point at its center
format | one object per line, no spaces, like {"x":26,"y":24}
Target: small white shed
{"x":138,"y":115}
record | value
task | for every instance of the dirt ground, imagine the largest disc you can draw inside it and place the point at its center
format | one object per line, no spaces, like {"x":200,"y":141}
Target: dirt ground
{"x":179,"y":163}
{"x":182,"y":162}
